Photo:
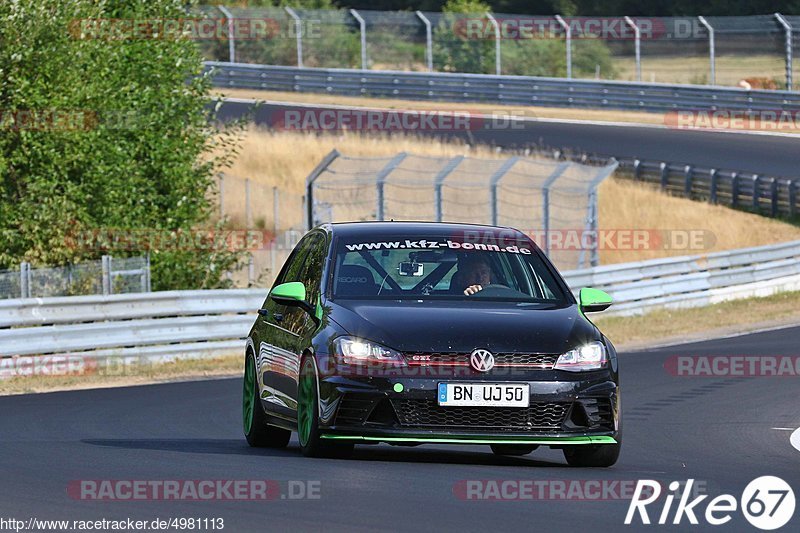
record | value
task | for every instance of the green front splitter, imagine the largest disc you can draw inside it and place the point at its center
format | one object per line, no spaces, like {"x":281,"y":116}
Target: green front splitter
{"x":479,"y":440}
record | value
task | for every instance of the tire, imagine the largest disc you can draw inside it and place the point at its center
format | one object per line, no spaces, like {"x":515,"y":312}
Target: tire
{"x":311,"y":444}
{"x":513,"y":449}
{"x":603,"y":455}
{"x":256,"y":430}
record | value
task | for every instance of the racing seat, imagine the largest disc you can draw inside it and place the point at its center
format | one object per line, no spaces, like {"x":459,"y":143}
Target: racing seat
{"x":355,"y":280}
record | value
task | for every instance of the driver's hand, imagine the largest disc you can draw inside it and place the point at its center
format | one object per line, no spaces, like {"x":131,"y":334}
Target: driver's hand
{"x":472,"y":289}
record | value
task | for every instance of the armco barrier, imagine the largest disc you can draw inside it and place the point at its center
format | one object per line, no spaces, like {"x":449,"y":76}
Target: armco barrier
{"x":183,"y":324}
{"x":512,"y":90}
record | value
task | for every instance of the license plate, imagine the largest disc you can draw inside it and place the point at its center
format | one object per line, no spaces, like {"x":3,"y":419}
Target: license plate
{"x":484,"y":394}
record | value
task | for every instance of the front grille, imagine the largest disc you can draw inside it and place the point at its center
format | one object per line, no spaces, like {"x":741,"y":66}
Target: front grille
{"x":546,"y":416}
{"x":532,"y":360}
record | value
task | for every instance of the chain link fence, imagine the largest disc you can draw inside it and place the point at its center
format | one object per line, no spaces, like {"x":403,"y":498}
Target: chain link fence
{"x":109,"y":275}
{"x":757,"y":50}
{"x":548,"y":200}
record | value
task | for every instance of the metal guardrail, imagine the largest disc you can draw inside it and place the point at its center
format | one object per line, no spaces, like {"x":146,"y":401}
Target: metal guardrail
{"x":208,"y":323}
{"x":511,"y":90}
{"x":760,"y":193}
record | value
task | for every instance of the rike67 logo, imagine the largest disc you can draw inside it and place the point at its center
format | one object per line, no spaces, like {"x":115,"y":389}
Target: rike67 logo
{"x":767,"y":503}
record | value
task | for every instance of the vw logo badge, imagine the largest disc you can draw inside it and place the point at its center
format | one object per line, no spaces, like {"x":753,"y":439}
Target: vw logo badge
{"x":481,"y":360}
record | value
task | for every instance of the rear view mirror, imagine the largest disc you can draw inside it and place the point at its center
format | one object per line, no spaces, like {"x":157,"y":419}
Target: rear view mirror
{"x":409,"y":268}
{"x":592,"y":300}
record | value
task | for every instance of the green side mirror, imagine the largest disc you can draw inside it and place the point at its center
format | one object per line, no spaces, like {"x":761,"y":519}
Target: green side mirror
{"x":292,"y":293}
{"x":592,"y":300}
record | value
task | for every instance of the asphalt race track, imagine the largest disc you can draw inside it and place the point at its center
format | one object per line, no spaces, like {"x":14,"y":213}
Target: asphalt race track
{"x":716,"y":430}
{"x":769,"y":155}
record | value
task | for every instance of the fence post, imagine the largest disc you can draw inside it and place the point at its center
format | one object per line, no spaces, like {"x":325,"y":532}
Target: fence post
{"x":712,"y":58}
{"x":546,"y":202}
{"x":636,"y":168}
{"x":568,"y":42}
{"x":248,"y":222}
{"x":274,"y":244}
{"x":787,"y":28}
{"x":24,"y":280}
{"x":637,"y":35}
{"x":495,"y":180}
{"x":363,"y":25}
{"x":497,"y":61}
{"x":439,"y":182}
{"x":105,"y":264}
{"x":146,"y":274}
{"x":221,"y":195}
{"x":380,"y":179}
{"x":327,"y":160}
{"x":713,"y":175}
{"x":428,"y":40}
{"x":792,"y":198}
{"x":231,"y":31}
{"x":298,"y":26}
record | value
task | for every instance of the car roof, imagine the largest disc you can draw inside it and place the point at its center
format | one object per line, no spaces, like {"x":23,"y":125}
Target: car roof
{"x":377,"y":229}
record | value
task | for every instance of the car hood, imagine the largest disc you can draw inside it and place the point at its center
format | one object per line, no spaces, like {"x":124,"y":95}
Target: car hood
{"x":412,"y":326}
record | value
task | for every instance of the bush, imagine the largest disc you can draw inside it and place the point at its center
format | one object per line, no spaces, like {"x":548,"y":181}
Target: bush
{"x":136,"y":156}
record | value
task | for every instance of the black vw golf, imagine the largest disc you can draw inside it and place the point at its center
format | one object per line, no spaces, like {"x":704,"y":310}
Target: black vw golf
{"x":411,"y":333}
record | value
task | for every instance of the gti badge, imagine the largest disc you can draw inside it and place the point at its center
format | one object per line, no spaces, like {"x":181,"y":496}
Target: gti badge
{"x":481,"y":360}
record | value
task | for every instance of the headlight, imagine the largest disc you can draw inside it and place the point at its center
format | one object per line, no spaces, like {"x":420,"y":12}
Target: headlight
{"x":361,"y":352}
{"x":590,"y":356}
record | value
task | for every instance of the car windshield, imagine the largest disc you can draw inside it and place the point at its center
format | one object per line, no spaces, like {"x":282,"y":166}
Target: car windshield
{"x":443,"y":267}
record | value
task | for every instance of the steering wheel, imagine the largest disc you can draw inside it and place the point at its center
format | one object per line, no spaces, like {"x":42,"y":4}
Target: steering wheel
{"x":493,"y":289}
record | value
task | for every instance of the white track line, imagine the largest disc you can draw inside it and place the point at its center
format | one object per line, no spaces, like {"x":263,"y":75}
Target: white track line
{"x":518,"y":118}
{"x":795,"y":439}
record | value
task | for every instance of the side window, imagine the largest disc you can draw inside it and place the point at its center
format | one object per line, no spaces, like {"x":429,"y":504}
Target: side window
{"x":314,"y":263}
{"x":293,"y":266}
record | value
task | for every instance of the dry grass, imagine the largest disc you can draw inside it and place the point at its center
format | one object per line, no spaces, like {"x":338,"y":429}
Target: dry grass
{"x":727,"y":318}
{"x":180,"y":370}
{"x":284,"y":159}
{"x":730,"y":68}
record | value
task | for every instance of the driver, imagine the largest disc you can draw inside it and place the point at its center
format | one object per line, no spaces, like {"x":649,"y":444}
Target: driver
{"x":475,"y":273}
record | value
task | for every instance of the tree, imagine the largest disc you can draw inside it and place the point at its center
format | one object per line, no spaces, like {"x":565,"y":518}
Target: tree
{"x":119,"y":137}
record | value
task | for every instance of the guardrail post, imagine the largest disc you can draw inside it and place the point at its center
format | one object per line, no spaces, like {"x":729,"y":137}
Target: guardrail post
{"x":712,"y":60}
{"x":439,"y":181}
{"x":568,"y":42}
{"x":231,"y":32}
{"x":25,"y":280}
{"x":734,"y":189}
{"x":428,"y":40}
{"x":713,"y":175}
{"x":380,"y":179}
{"x":773,"y":186}
{"x":363,"y":25}
{"x":664,"y":175}
{"x":787,"y":28}
{"x":687,"y":181}
{"x":298,"y":25}
{"x":497,"y":61}
{"x":756,"y":191}
{"x":105,"y":263}
{"x":636,"y":167}
{"x":792,"y":198}
{"x":637,"y":35}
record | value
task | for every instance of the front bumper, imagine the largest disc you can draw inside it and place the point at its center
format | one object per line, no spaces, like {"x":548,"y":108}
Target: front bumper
{"x":405,"y":411}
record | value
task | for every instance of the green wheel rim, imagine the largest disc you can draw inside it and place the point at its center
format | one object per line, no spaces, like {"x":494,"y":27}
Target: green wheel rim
{"x":305,"y":405}
{"x":248,"y":395}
